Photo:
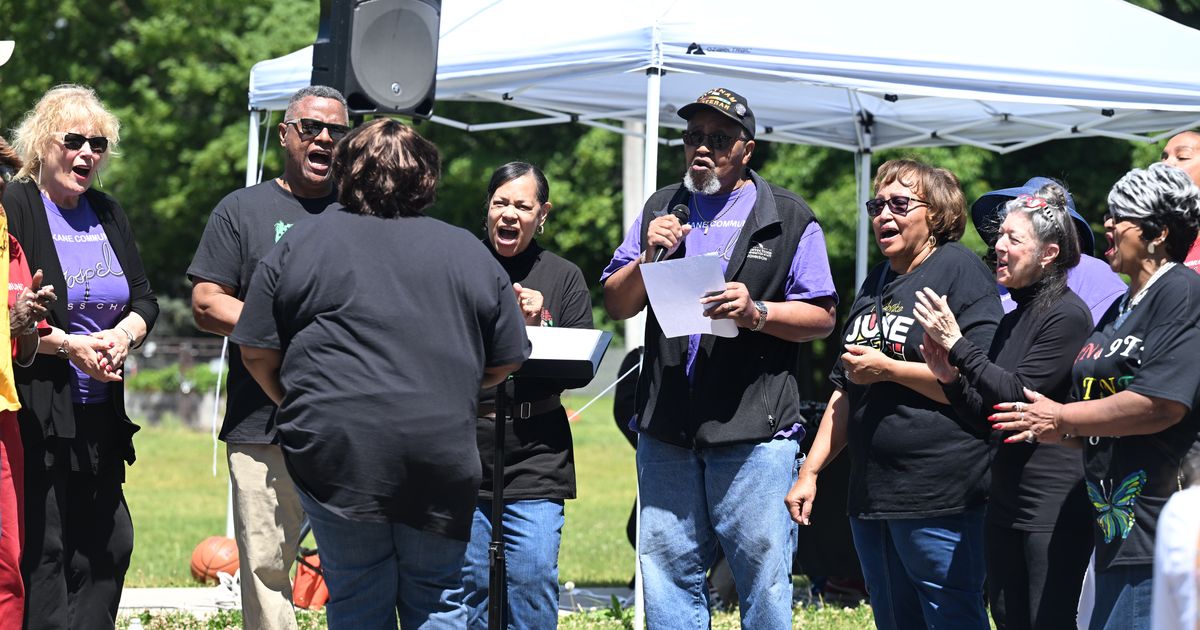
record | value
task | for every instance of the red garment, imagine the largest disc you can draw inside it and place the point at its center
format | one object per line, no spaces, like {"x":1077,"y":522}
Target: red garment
{"x":1192,"y":260}
{"x":12,"y":476}
{"x":12,"y":522}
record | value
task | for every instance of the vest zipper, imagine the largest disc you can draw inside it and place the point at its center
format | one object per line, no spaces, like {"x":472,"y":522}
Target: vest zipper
{"x":766,"y":405}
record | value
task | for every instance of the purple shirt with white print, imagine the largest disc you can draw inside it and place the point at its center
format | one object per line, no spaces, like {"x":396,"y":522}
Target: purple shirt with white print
{"x":97,"y":292}
{"x":724,"y":215}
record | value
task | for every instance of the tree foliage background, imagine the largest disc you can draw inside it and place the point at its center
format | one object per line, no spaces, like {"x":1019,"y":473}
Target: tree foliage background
{"x":176,"y":73}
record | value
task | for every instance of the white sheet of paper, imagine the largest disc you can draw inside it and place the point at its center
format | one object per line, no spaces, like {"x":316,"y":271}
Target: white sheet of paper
{"x":675,"y":288}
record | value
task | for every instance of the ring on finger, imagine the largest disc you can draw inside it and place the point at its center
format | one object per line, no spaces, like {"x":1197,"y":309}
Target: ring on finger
{"x":1022,"y":416}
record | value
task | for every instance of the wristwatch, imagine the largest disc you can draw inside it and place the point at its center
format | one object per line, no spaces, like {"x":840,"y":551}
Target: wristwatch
{"x":762,"y":315}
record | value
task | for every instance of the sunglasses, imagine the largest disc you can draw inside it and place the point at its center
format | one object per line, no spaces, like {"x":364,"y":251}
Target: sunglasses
{"x":310,"y":128}
{"x":1116,"y":218}
{"x":898,"y":204}
{"x":75,"y":142}
{"x":715,"y":141}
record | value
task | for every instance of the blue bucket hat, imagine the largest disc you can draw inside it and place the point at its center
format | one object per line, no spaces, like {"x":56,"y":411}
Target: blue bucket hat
{"x":986,"y":211}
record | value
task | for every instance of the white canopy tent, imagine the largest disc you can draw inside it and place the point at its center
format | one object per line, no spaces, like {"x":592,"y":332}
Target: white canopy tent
{"x":858,"y":76}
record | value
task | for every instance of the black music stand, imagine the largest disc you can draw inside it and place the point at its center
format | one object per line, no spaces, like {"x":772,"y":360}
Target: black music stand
{"x":565,"y":354}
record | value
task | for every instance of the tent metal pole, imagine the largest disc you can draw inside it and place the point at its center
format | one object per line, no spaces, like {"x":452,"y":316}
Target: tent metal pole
{"x":650,"y":163}
{"x":252,"y":151}
{"x":633,"y":153}
{"x":649,"y":185}
{"x":863,"y":173}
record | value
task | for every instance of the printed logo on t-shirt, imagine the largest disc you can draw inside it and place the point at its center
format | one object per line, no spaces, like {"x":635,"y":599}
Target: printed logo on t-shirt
{"x":281,"y":228}
{"x":547,"y":318}
{"x":89,"y":274}
{"x":864,"y":330}
{"x":1094,"y":388}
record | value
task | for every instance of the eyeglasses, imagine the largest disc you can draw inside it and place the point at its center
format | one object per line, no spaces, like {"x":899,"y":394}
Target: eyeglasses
{"x":714,"y":141}
{"x":310,"y":128}
{"x":75,"y":141}
{"x":1116,"y":218}
{"x":898,"y":204}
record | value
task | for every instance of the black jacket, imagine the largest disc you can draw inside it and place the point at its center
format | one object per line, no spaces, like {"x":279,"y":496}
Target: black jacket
{"x":744,"y":387}
{"x":44,"y":388}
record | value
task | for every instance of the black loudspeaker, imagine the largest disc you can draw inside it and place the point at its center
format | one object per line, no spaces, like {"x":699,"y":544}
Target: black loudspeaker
{"x":381,"y":54}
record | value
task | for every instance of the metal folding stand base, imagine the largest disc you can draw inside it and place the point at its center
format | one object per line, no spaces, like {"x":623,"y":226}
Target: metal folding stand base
{"x":498,"y":573}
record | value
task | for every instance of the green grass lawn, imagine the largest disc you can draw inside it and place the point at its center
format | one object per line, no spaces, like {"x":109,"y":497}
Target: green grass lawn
{"x":176,"y":502}
{"x":595,"y":550}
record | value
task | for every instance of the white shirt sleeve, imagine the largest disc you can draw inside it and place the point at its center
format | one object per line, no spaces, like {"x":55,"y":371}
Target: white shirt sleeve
{"x":1174,"y":600}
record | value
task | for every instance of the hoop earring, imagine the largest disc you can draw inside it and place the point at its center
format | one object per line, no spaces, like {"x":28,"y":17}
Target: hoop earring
{"x":541,"y":228}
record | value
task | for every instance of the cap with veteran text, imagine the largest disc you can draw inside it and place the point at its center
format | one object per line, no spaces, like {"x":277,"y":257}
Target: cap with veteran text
{"x":726,"y":103}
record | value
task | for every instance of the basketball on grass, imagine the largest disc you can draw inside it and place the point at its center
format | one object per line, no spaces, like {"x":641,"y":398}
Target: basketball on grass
{"x":213,"y":554}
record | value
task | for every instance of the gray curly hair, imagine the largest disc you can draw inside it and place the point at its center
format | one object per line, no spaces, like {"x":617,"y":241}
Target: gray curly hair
{"x":1160,"y":197}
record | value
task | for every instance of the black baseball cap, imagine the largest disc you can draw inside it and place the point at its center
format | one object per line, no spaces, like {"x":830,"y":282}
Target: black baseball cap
{"x":725,"y":102}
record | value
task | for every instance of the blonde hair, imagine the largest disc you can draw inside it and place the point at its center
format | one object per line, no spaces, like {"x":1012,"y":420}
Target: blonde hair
{"x":60,"y":109}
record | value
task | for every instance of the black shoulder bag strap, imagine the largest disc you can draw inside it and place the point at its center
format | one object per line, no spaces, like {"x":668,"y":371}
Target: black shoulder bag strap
{"x":879,"y":285}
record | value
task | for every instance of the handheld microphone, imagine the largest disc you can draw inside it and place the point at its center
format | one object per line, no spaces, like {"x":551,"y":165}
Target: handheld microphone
{"x":681,"y":212}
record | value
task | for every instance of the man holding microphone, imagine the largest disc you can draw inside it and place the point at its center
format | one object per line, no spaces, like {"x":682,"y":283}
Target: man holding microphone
{"x":718,"y":418}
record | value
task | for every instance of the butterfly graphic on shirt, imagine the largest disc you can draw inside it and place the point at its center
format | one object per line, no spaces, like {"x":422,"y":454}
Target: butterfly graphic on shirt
{"x":1114,"y":509}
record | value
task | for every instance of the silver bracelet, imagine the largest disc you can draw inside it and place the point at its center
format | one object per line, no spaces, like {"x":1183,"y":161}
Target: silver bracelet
{"x":132,"y":341}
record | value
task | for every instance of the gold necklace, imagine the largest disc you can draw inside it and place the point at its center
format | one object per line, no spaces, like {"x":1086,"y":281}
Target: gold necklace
{"x":705,"y":223}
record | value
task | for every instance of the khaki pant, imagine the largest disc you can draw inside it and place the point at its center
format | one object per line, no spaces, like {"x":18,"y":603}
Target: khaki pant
{"x":266,"y":519}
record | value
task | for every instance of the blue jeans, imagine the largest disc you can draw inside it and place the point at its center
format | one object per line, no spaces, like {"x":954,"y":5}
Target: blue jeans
{"x":693,"y":500}
{"x":1123,"y":596}
{"x":376,"y":570}
{"x":924,"y":572}
{"x":532,"y":532}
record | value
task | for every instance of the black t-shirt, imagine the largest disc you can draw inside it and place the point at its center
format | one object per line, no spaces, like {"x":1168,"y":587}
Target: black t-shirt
{"x":385,"y":327}
{"x":1153,"y":352}
{"x":539,"y":462}
{"x":242,"y":229}
{"x":911,"y":457}
{"x":1034,"y":486}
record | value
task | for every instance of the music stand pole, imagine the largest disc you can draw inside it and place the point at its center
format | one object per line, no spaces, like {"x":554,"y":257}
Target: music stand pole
{"x":497,"y":571}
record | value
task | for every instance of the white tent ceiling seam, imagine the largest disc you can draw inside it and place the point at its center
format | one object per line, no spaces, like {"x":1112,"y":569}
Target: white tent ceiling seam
{"x":810,"y":73}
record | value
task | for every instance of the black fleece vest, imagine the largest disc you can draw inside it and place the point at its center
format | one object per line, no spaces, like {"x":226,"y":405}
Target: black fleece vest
{"x":744,"y":388}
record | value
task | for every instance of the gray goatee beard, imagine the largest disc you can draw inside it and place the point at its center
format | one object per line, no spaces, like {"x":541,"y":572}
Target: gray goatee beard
{"x":706,"y":184}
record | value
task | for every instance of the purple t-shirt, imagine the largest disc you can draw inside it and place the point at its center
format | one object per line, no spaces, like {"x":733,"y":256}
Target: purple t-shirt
{"x":97,"y":292}
{"x":1092,"y":280}
{"x":724,"y":215}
